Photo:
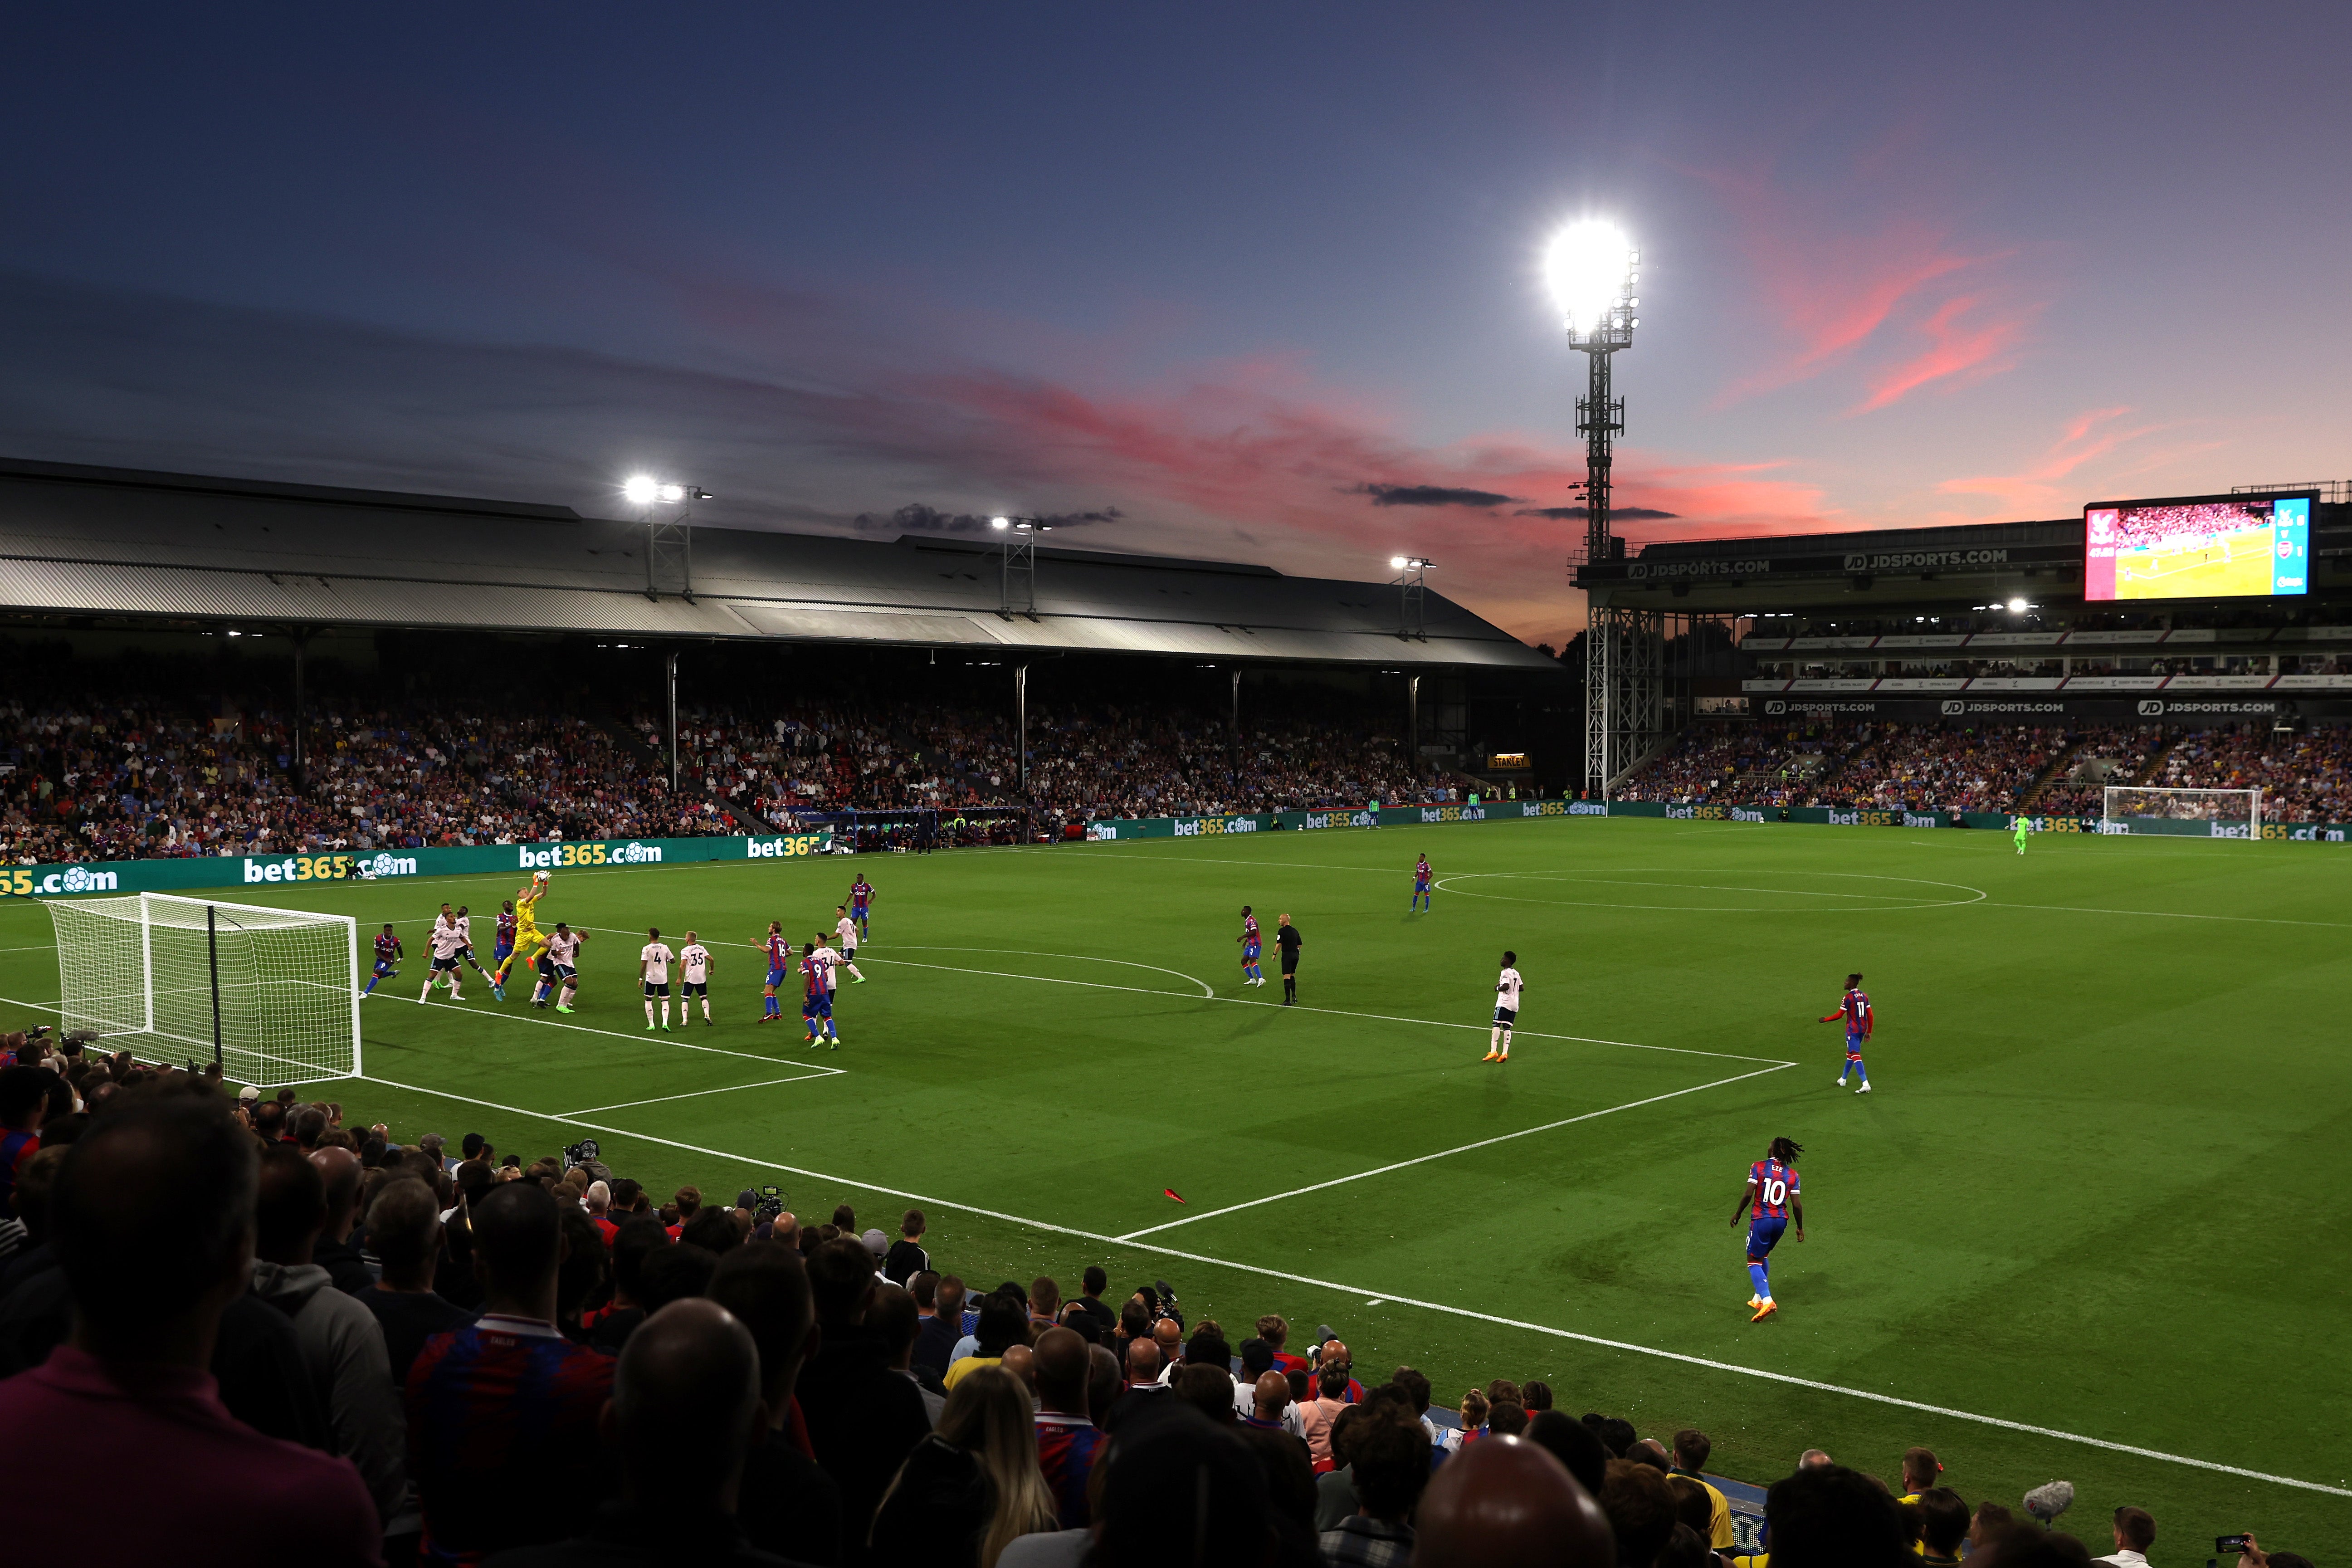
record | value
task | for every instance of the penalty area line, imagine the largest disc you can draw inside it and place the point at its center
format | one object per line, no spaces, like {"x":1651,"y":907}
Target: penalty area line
{"x":1448,"y":1154}
{"x":1362,"y":1292}
{"x":698,"y":1093}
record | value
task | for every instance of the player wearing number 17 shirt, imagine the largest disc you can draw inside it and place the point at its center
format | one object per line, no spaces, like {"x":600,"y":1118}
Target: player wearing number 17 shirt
{"x":1772,"y":1190}
{"x":1855,"y":1009}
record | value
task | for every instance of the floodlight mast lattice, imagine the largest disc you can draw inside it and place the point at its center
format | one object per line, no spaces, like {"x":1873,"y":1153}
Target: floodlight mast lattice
{"x":1019,"y":565}
{"x":1592,"y":270}
{"x":1412,"y":587}
{"x":670,"y":542}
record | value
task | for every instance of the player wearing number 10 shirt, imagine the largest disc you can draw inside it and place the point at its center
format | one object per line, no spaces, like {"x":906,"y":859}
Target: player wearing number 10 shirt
{"x":1772,"y":1190}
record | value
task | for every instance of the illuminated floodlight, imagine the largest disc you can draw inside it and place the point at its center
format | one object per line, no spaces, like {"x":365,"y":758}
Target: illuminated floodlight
{"x":1000,"y":523}
{"x":1589,"y":269}
{"x":1396,"y":562}
{"x":641,"y":489}
{"x":673,"y":493}
{"x":2017,"y":606}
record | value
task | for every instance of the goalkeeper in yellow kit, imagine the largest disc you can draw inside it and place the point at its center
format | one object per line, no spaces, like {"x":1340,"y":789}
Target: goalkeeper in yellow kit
{"x":528,"y":941}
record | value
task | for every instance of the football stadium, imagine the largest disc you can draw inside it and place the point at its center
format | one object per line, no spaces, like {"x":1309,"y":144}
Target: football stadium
{"x":1212,"y":915}
{"x":1045,"y":1054}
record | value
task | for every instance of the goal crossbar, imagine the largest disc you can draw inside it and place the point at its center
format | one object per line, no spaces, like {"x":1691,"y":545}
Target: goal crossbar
{"x":271,"y":994}
{"x":2179,"y":810}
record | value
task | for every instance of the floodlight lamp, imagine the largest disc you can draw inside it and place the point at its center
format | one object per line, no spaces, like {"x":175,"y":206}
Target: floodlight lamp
{"x":1000,"y":523}
{"x":641,"y":489}
{"x":673,"y":493}
{"x":2017,"y":606}
{"x":1586,"y":266}
{"x":1396,"y":562}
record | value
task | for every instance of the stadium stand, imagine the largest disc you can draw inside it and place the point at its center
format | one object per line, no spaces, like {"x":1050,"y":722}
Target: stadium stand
{"x":492,"y":1326}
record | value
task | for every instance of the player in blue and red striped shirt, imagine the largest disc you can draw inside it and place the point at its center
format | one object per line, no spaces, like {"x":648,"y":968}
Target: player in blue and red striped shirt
{"x":387,"y":958}
{"x":1855,"y":1009}
{"x":1772,"y":1190}
{"x":1419,"y":884}
{"x":1252,"y":949}
{"x":497,"y":1414}
{"x":779,"y":963}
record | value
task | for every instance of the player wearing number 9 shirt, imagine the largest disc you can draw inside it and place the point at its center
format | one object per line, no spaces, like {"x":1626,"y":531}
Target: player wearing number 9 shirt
{"x":1772,"y":1189}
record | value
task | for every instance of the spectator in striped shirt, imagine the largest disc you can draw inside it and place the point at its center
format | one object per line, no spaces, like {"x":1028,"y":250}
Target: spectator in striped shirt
{"x":498,"y":1410}
{"x":1067,"y":1440}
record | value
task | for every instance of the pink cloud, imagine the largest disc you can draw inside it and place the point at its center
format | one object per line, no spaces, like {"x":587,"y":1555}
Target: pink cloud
{"x":1250,"y":459}
{"x":2089,"y":436}
{"x":1957,"y":355}
{"x":1834,"y":290}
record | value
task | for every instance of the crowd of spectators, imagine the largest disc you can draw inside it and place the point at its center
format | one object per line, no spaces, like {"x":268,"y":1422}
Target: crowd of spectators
{"x":1930,"y":767}
{"x":2306,"y":775}
{"x":2103,"y":754}
{"x":1084,"y":760}
{"x":324,"y":1345}
{"x":146,"y":775}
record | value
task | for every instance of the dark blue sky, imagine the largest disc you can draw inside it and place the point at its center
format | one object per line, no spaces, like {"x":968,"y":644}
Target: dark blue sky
{"x":1219,"y":271}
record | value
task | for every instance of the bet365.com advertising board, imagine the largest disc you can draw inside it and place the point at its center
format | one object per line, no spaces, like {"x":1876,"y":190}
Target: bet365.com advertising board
{"x":256,"y":871}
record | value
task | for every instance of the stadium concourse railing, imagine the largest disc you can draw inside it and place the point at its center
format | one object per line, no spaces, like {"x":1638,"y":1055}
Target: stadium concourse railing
{"x":67,"y":879}
{"x":251,"y":871}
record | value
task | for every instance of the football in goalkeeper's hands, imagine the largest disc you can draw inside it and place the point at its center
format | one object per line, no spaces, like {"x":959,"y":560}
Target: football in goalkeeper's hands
{"x":539,"y":877}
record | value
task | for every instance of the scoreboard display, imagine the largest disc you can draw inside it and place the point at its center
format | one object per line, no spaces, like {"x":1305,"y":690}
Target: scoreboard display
{"x":2198,"y":547}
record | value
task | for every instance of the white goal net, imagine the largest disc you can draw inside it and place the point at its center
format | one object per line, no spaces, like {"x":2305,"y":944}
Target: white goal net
{"x":275,"y":992}
{"x":2201,"y":812}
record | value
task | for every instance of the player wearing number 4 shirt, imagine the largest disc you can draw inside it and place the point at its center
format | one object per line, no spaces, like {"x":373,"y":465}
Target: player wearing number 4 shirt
{"x":654,"y":960}
{"x":1855,"y":1009}
{"x":1507,"y":986}
{"x":1772,"y":1189}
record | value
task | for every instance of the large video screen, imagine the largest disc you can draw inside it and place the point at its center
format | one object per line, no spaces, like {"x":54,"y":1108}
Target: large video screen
{"x":2200,"y":547}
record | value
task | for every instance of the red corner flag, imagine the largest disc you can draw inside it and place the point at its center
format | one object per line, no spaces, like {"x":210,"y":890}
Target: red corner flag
{"x":1172,"y":1193}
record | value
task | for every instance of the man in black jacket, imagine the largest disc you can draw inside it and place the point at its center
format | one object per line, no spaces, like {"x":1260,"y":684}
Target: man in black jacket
{"x":862,"y":1416}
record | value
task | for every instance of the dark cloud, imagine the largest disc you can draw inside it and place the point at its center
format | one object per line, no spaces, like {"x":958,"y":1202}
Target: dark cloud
{"x":1430,"y":495}
{"x":1632,"y":513}
{"x":920,"y":518}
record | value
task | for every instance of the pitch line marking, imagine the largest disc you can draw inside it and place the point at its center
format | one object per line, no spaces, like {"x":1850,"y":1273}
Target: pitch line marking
{"x":1447,"y":1154}
{"x":1331,"y":1012}
{"x":1207,"y":992}
{"x":2170,"y":915}
{"x":1785,"y":1379}
{"x":698,"y":1093}
{"x":622,"y":1035}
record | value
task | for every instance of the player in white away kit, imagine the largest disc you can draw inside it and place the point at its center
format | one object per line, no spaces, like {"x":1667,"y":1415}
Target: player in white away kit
{"x":448,"y":942}
{"x":1507,"y":986}
{"x":847,"y":929}
{"x":564,"y":958}
{"x":653,"y":966}
{"x":694,"y":968}
{"x":827,"y":964}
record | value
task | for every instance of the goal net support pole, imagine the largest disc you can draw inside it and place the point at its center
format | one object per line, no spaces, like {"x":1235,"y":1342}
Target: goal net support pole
{"x":2194,"y":813}
{"x":273,"y":994}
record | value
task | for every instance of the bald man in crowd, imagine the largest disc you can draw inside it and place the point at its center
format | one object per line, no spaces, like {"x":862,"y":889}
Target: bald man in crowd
{"x":1504,"y":1499}
{"x":685,"y":1410}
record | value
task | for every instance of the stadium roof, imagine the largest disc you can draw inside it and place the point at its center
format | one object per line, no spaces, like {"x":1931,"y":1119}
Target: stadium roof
{"x":78,"y":540}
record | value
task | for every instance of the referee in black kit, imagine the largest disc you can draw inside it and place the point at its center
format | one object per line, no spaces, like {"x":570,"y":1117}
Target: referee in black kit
{"x":1286,"y":938}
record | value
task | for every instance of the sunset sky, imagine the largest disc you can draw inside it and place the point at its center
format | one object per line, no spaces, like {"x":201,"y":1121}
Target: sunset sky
{"x":1237,"y":281}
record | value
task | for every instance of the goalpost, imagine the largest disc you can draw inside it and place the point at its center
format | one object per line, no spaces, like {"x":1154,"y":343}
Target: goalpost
{"x":2200,"y":813}
{"x":273,"y":996}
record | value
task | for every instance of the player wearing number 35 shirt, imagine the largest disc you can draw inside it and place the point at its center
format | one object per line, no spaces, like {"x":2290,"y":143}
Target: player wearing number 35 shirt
{"x":1772,"y":1190}
{"x":1507,"y":986}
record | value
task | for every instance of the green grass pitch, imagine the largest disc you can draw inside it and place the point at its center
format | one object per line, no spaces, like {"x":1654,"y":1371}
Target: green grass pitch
{"x":2098,"y":1190}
